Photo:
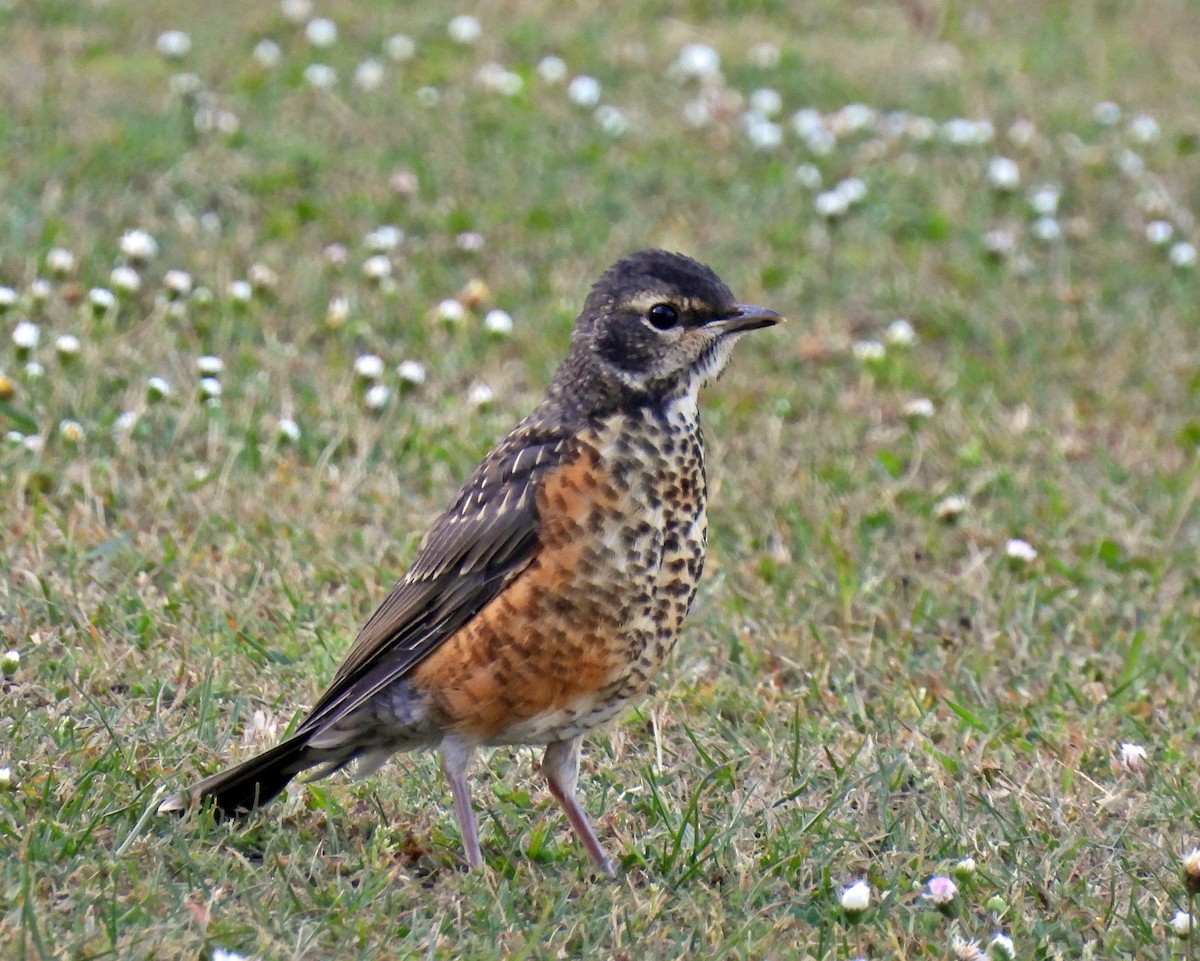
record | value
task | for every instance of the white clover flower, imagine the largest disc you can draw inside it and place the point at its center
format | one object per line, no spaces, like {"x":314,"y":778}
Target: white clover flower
{"x":950,"y":508}
{"x":766,"y":101}
{"x":157,"y":388}
{"x":137,"y":246}
{"x":6,"y":778}
{"x":1191,"y":871}
{"x":820,"y":142}
{"x":1182,"y":255}
{"x":1143,"y":129}
{"x":611,"y":120}
{"x":1182,"y":924}
{"x":831,"y":204}
{"x":210,"y":388}
{"x":178,"y":282}
{"x":584,"y":91}
{"x":807,"y":121}
{"x":1132,"y":757}
{"x":34,"y":443}
{"x":287,"y":430}
{"x":1022,"y":132}
{"x":321,"y":32}
{"x":267,"y":54}
{"x":1003,"y":174}
{"x":60,"y":261}
{"x":411,"y":372}
{"x":125,"y":279}
{"x":451,"y":311}
{"x":173,"y":44}
{"x":856,"y":898}
{"x":240,"y":291}
{"x":940,"y":891}
{"x":262,"y":277}
{"x":464,"y":29}
{"x":1020,"y":551}
{"x":480,"y":394}
{"x":1046,"y":230}
{"x":71,"y":431}
{"x":868,"y":351}
{"x":67,"y":347}
{"x":698,"y":61}
{"x":1000,"y":242}
{"x":1159,"y":232}
{"x":765,"y":55}
{"x":1044,"y":200}
{"x":762,"y":133}
{"x":10,"y":662}
{"x":185,"y":85}
{"x":14,"y":437}
{"x":552,"y":69}
{"x":400,"y":47}
{"x":368,"y":367}
{"x":852,"y":118}
{"x":1001,"y":948}
{"x":210,"y":365}
{"x":377,"y":396}
{"x":965,"y":949}
{"x":377,"y":267}
{"x":498,"y":322}
{"x":853,"y":189}
{"x":368,"y":75}
{"x":201,"y":297}
{"x":919,"y":408}
{"x":40,"y":290}
{"x":470,"y":241}
{"x":387,"y":237}
{"x":337,"y":312}
{"x":124,"y":422}
{"x":965,"y":868}
{"x":336,"y":254}
{"x":8,"y":299}
{"x":34,"y":370}
{"x":221,"y":954}
{"x":1106,"y":113}
{"x":695,"y":113}
{"x":297,"y":11}
{"x":320,"y":76}
{"x":808,"y":176}
{"x":900,"y":333}
{"x":25,"y":337}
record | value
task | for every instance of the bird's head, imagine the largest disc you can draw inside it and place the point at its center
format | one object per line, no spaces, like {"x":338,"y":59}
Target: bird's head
{"x":661,"y":323}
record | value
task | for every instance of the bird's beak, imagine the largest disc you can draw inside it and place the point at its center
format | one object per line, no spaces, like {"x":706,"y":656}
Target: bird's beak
{"x":746,"y":317}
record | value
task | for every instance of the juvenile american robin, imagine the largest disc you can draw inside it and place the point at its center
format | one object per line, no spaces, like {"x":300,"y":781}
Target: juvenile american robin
{"x":544,"y":600}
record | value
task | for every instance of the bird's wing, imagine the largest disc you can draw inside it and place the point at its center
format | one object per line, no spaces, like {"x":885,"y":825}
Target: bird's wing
{"x":485,"y":539}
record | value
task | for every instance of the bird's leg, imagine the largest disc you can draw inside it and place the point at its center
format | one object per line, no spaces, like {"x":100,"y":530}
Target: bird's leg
{"x":561,"y":767}
{"x":456,"y":760}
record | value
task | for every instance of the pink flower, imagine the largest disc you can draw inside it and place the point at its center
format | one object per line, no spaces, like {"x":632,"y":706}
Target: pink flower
{"x":941,"y":891}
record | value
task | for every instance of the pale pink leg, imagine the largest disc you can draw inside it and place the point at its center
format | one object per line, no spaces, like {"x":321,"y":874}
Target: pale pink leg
{"x":561,"y":767}
{"x":456,"y":760}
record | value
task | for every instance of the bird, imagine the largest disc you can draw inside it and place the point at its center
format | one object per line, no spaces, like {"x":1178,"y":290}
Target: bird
{"x":545,"y":599}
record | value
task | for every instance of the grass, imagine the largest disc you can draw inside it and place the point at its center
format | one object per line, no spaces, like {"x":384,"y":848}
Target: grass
{"x":865,"y":689}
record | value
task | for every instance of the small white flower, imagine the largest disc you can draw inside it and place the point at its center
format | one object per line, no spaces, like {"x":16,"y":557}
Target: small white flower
{"x":940,"y":890}
{"x":1106,"y":113}
{"x":60,"y":261}
{"x":125,"y":279}
{"x":173,"y":44}
{"x":807,"y":121}
{"x":67,"y":347}
{"x":584,"y":91}
{"x":336,"y":254}
{"x":965,"y":868}
{"x":464,"y":29}
{"x":287,"y":430}
{"x":480,"y":394}
{"x":470,"y":241}
{"x":1022,"y":132}
{"x":387,"y":237}
{"x":138,"y":246}
{"x":6,"y":778}
{"x":201,"y":297}
{"x":1191,"y":871}
{"x":71,"y":431}
{"x":10,"y":662}
{"x":400,"y":47}
{"x":1182,"y":255}
{"x":297,"y":11}
{"x":611,"y":120}
{"x":14,"y":437}
{"x":921,"y":129}
{"x":919,"y":408}
{"x":699,"y":61}
{"x":762,"y":133}
{"x":964,"y":949}
{"x":124,"y":422}
{"x":377,"y":267}
{"x":766,"y":101}
{"x":8,"y":298}
{"x":900,"y":333}
{"x":320,"y":76}
{"x":186,"y":85}
{"x":178,"y":282}
{"x":1182,"y":924}
{"x":221,"y":954}
{"x":1159,"y":232}
{"x":1020,"y":551}
{"x":820,"y":142}
{"x":321,"y":32}
{"x":157,"y":388}
{"x":210,"y":388}
{"x":451,"y":311}
{"x":240,"y":291}
{"x":411,"y":372}
{"x":337,"y":312}
{"x":1046,"y":230}
{"x":368,"y":75}
{"x":808,"y":176}
{"x":34,"y":443}
{"x":498,"y":322}
{"x":868,"y":351}
{"x":368,"y":367}
{"x":852,"y":118}
{"x":1143,"y":129}
{"x":1130,"y":163}
{"x":950,"y":508}
{"x":853,"y":189}
{"x":40,"y":290}
{"x":262,"y":277}
{"x":856,"y":898}
{"x":210,"y":366}
{"x":377,"y":396}
{"x":1000,"y":242}
{"x":552,"y":69}
{"x":34,"y":370}
{"x":1044,"y":200}
{"x":1001,"y":948}
{"x":25,"y":337}
{"x":1132,"y":757}
{"x":267,"y":54}
{"x":1003,"y":174}
{"x":765,"y":55}
{"x":831,"y":204}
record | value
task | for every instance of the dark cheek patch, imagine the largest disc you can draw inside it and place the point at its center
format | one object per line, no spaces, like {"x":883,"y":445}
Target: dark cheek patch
{"x":625,"y":343}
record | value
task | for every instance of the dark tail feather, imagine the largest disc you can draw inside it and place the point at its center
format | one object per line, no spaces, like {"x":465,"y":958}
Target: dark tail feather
{"x":252,"y":783}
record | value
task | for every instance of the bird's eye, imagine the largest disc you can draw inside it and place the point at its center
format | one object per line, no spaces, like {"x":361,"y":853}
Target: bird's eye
{"x":663,"y":316}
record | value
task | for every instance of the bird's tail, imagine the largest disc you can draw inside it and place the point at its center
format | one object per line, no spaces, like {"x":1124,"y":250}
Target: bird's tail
{"x":255,"y":782}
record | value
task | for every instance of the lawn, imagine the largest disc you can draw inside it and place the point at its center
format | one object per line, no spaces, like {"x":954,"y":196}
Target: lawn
{"x":274,"y":277}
